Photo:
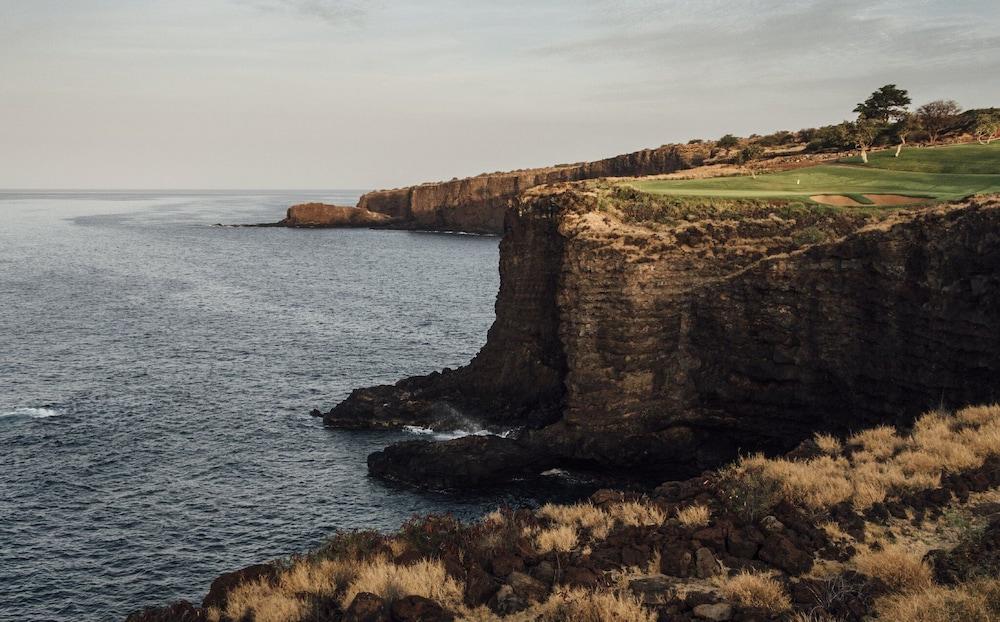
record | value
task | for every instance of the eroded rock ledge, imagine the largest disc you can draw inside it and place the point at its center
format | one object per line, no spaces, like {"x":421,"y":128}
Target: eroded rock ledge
{"x":662,"y":339}
{"x":477,"y":204}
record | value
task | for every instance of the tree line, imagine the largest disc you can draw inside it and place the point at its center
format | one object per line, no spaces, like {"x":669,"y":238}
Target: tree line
{"x":883,"y":119}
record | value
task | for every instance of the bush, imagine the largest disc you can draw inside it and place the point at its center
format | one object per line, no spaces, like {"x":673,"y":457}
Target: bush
{"x":758,"y":591}
{"x":431,"y":535}
{"x":694,"y":516}
{"x":898,"y":568}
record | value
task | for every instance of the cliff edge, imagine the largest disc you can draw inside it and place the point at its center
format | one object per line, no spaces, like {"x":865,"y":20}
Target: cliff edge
{"x":662,"y":337}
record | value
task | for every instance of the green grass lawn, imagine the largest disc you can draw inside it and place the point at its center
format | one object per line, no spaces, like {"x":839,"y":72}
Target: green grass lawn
{"x":938,"y":173}
{"x":959,"y":159}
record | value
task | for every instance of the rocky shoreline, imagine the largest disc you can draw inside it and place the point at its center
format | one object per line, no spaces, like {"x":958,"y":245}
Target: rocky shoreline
{"x":757,"y":540}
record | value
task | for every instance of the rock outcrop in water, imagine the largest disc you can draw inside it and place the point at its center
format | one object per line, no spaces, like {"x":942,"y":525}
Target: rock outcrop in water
{"x":637,"y":335}
{"x":314,"y":215}
{"x":477,"y":204}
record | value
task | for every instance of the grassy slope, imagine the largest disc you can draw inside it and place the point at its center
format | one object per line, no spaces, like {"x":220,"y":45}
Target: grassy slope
{"x":934,"y":175}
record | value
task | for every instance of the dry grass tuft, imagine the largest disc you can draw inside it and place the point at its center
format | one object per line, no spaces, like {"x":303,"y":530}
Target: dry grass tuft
{"x":561,"y":539}
{"x":635,"y":514}
{"x":828,"y":444}
{"x":978,"y":601}
{"x":425,"y":578}
{"x":578,"y":605}
{"x":280,"y":602}
{"x":881,"y":464}
{"x":584,"y":515}
{"x":757,"y":590}
{"x":694,"y":516}
{"x":900,"y":569}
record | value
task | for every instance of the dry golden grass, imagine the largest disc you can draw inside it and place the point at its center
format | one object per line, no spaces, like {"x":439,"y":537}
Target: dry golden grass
{"x":635,"y":514}
{"x":880,"y":441}
{"x":828,"y":444}
{"x":425,"y":578}
{"x":278,"y":602}
{"x":901,"y":569}
{"x":978,"y":601}
{"x":694,"y":516}
{"x":576,"y":605}
{"x":757,"y":590}
{"x":583,"y":515}
{"x":561,"y":538}
{"x":882,"y":462}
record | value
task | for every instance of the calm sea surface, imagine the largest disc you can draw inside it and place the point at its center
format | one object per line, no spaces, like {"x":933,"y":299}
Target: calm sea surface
{"x":155,"y":378}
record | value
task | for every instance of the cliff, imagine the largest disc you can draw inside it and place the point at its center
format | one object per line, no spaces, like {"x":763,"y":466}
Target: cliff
{"x":323,"y":215}
{"x":661,"y":338}
{"x":477,"y":204}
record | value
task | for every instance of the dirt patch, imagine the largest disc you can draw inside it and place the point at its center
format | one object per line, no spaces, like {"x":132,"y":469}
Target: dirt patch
{"x":893,"y":199}
{"x":835,"y":199}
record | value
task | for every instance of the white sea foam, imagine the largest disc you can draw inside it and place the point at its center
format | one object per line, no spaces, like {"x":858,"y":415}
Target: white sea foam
{"x":30,"y":413}
{"x":450,"y":434}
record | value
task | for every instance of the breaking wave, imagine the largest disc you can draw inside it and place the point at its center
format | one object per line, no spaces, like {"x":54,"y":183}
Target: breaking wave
{"x":451,"y":434}
{"x":30,"y":413}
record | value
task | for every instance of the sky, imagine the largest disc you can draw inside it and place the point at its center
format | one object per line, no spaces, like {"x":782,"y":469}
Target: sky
{"x":297,"y":94}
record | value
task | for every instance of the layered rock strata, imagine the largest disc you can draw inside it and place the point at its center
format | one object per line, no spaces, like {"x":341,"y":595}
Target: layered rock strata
{"x":314,"y":215}
{"x":477,"y":204}
{"x":655,"y":338}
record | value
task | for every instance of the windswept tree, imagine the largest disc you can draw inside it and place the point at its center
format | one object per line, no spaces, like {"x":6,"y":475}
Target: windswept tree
{"x":885,"y":105}
{"x":749,"y":157}
{"x":865,"y":131}
{"x":901,"y":129}
{"x":728,"y":142}
{"x":986,"y":127}
{"x":937,"y":116}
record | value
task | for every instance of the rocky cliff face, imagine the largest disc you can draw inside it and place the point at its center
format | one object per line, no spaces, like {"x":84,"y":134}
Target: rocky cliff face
{"x":477,"y":204}
{"x":323,"y":215}
{"x":655,"y":338}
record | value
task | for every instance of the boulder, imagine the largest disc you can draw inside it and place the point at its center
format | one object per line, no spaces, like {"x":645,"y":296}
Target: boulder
{"x":718,"y":612}
{"x":218,"y":592}
{"x":366,"y":607}
{"x":419,"y":609}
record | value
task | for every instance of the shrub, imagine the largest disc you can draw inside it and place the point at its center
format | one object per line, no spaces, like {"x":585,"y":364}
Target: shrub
{"x":584,"y":515}
{"x":354,"y":544}
{"x":694,"y":516}
{"x":971,"y":602}
{"x":430,"y":535}
{"x":635,"y":514}
{"x":757,"y":590}
{"x":898,"y":568}
{"x":577,"y":605}
{"x":747,"y":491}
{"x":425,"y":578}
{"x":561,"y":539}
{"x":828,"y":444}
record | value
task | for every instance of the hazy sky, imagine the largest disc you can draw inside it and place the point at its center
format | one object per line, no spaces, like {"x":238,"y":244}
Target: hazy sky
{"x":379,"y":93}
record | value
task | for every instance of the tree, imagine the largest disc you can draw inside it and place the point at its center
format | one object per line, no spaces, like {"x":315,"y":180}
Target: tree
{"x":986,"y":127}
{"x":748,"y":156}
{"x":728,"y":142}
{"x":886,"y":104}
{"x":905,"y":126}
{"x":937,"y":116}
{"x":865,"y":131}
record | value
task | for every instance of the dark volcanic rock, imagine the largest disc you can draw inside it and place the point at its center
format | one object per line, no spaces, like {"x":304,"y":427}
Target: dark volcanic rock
{"x":641,"y":347}
{"x":477,"y":204}
{"x":366,"y":607}
{"x":181,"y":611}
{"x":218,"y":592}
{"x":464,"y":462}
{"x":419,"y":609}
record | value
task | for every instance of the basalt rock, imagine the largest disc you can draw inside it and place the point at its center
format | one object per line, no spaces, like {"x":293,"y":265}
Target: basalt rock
{"x":321,"y":215}
{"x":627,"y":339}
{"x":477,"y":204}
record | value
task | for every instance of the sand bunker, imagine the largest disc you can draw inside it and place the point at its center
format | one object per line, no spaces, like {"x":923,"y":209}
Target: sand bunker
{"x":876,"y":199}
{"x":893,"y":199}
{"x":835,"y":199}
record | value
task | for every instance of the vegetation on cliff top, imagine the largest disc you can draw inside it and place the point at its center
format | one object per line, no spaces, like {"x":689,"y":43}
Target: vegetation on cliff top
{"x":919,"y":174}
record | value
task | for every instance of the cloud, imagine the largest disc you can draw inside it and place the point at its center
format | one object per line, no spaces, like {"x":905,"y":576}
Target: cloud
{"x":332,"y":11}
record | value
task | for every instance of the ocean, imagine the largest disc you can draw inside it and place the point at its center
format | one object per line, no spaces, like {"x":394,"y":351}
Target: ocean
{"x":156,"y":375}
